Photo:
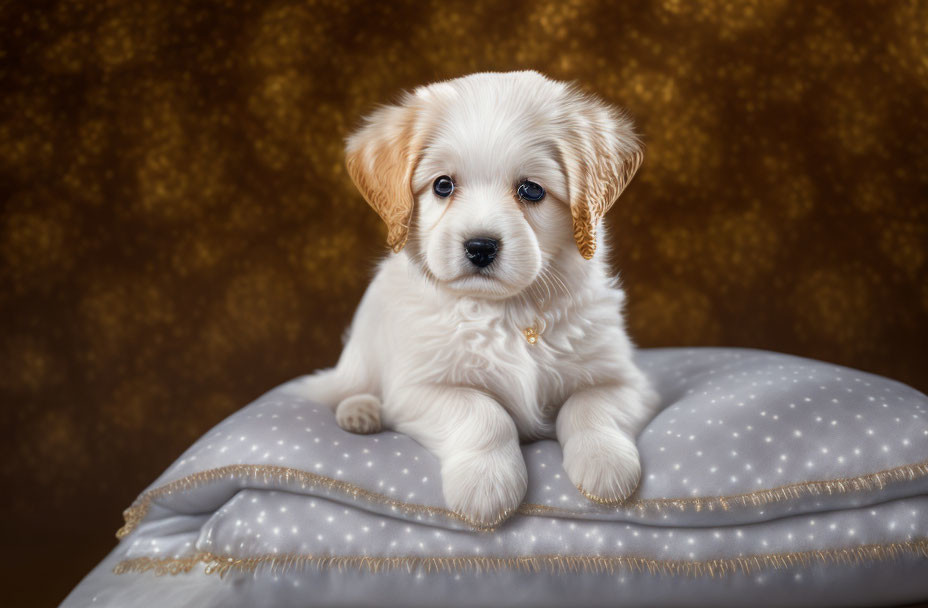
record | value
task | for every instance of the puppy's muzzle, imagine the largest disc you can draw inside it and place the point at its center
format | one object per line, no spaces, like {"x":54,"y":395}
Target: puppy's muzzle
{"x":481,"y":251}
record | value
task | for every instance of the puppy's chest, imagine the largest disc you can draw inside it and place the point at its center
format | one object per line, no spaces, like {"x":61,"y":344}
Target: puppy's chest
{"x":489,"y":351}
{"x":493,"y":353}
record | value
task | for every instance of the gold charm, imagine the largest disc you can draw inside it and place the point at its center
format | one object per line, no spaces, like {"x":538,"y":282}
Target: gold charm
{"x":531,"y":334}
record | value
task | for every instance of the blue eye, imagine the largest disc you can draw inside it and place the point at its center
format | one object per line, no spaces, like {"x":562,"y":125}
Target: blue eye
{"x":530,"y":191}
{"x":443,"y":186}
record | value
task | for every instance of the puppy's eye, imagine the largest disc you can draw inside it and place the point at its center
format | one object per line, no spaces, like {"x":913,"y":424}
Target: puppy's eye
{"x":443,"y":186}
{"x":530,"y":191}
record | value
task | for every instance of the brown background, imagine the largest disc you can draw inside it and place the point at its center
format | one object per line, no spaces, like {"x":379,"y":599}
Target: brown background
{"x":178,"y":233}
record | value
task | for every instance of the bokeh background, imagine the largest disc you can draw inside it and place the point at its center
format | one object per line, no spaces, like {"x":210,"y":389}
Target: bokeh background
{"x":178,"y":233}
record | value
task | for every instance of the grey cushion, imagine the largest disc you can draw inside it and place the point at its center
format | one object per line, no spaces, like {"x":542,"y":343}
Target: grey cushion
{"x":765,"y":474}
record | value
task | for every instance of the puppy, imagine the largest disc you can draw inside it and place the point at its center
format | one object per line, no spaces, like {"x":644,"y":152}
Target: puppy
{"x":495,"y":320}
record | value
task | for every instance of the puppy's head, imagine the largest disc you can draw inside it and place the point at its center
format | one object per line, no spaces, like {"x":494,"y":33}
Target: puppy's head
{"x":486,"y":178}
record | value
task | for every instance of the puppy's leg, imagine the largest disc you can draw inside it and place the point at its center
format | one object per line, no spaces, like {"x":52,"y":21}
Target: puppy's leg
{"x":359,"y":414}
{"x":483,"y":473}
{"x":597,"y":428}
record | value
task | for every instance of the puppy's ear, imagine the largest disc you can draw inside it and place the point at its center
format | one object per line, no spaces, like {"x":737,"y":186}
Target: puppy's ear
{"x":381,"y":157}
{"x":601,"y":153}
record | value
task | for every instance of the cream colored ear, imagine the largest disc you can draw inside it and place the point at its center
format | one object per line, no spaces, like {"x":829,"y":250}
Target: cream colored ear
{"x":381,"y":157}
{"x":602,"y":154}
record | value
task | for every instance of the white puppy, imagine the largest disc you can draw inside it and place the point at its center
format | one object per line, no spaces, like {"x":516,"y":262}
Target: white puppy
{"x":493,"y":321}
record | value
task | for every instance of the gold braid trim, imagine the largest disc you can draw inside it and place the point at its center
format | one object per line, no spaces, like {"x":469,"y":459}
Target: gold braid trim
{"x":845,"y":485}
{"x":270,"y":473}
{"x":219,"y":564}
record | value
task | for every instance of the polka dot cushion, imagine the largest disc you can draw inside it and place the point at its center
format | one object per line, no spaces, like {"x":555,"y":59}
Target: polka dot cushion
{"x":766,"y":478}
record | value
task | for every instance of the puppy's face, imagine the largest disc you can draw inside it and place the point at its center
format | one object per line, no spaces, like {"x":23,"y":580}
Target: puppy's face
{"x":490,"y":195}
{"x":486,"y":179}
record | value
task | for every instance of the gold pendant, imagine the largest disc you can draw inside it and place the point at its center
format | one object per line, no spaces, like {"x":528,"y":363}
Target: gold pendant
{"x":531,"y":334}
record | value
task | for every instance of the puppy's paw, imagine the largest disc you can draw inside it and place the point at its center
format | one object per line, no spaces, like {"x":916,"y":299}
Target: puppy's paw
{"x":485,"y":488}
{"x":359,"y":414}
{"x":604,"y":465}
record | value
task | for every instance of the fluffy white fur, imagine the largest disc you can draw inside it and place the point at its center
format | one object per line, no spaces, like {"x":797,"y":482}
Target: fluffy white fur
{"x":436,"y":349}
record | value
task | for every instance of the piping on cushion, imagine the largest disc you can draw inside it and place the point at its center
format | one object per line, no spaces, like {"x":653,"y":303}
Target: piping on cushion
{"x":270,"y":473}
{"x":280,"y":563}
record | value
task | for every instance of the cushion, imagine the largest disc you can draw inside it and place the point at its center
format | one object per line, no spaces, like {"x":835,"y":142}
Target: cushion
{"x":766,"y":478}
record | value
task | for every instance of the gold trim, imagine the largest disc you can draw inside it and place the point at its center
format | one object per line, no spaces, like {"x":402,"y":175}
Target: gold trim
{"x":139,"y":509}
{"x":845,"y":485}
{"x":599,"y":499}
{"x":270,"y":473}
{"x":219,"y":564}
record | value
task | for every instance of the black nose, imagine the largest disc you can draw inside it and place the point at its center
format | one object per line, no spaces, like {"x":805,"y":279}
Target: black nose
{"x":482,"y":251}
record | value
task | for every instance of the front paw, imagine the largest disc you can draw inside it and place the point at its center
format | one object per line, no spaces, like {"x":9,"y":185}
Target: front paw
{"x":487,"y":487}
{"x":604,"y":465}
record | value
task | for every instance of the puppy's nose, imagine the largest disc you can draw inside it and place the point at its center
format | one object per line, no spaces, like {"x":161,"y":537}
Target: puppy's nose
{"x":481,"y":251}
